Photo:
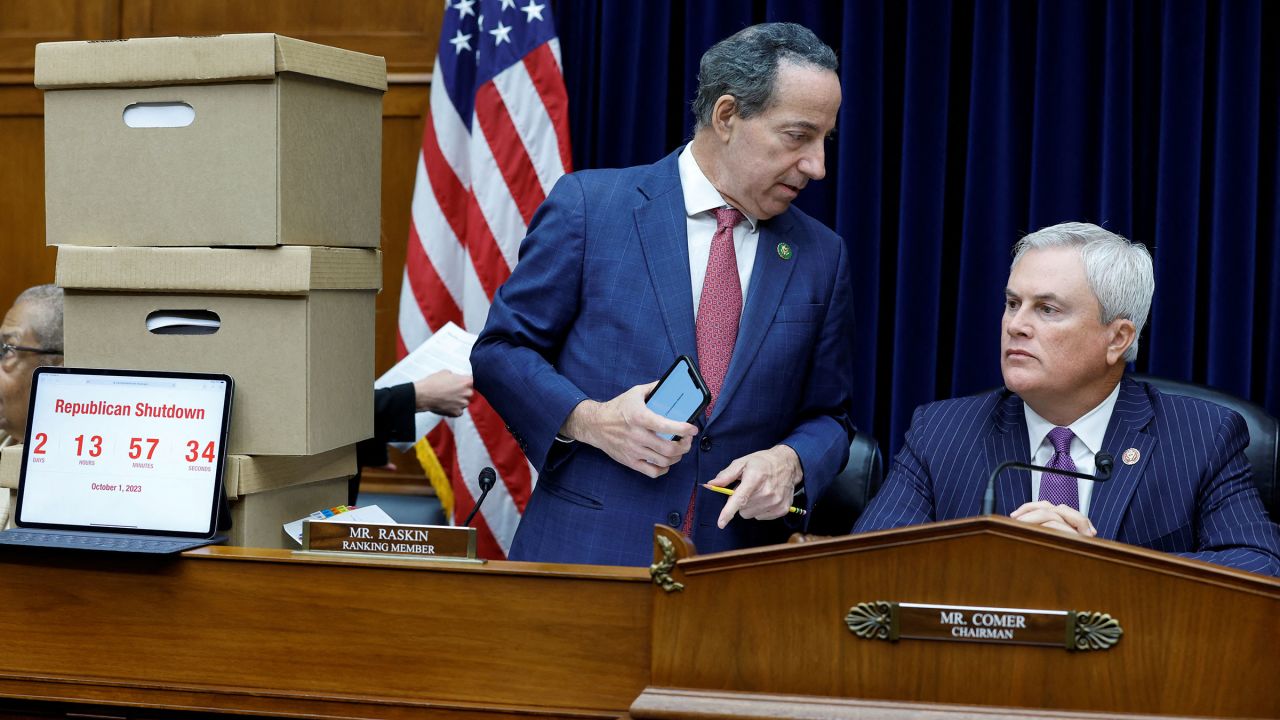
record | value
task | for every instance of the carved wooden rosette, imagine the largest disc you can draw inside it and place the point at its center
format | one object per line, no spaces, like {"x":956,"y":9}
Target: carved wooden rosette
{"x":669,"y":546}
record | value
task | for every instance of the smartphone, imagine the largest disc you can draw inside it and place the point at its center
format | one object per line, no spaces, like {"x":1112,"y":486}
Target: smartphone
{"x":680,"y":395}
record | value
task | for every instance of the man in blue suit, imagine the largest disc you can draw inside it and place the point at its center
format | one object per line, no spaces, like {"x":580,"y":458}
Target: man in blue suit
{"x":1076,"y":301}
{"x":699,"y":254}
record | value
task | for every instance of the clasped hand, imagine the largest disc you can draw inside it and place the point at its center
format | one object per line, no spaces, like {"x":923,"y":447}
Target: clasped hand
{"x":1058,"y":517}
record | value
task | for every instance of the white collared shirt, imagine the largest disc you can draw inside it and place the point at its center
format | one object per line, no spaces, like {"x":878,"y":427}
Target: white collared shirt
{"x":1089,"y":430}
{"x":700,"y":199}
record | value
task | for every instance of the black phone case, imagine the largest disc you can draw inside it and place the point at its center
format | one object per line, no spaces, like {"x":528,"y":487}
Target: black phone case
{"x":697,"y":380}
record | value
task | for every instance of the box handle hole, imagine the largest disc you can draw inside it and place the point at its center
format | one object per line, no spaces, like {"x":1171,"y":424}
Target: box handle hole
{"x":183,"y":322}
{"x":159,"y":115}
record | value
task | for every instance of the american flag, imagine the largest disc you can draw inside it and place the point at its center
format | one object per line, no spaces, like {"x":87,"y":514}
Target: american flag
{"x":495,"y":140}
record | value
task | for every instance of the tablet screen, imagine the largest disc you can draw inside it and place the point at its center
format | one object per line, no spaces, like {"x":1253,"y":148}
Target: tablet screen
{"x":124,"y":450}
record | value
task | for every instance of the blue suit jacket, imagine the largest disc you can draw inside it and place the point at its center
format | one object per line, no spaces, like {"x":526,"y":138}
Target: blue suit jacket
{"x":600,"y":301}
{"x":1191,"y":491}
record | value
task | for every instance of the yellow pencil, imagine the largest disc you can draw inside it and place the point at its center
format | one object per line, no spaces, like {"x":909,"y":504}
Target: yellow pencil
{"x":727,"y":491}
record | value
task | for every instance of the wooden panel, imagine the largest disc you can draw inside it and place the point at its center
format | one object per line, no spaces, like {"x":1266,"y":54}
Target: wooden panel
{"x":669,"y":704}
{"x":23,"y":256}
{"x":405,"y":32}
{"x":23,"y":23}
{"x":266,"y":632}
{"x":755,"y":633}
{"x":1198,"y":639}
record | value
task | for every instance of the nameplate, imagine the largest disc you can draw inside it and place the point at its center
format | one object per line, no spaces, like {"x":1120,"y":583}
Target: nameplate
{"x":1069,"y":629}
{"x":426,"y":541}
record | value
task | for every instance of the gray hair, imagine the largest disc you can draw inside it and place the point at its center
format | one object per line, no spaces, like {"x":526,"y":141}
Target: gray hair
{"x":1119,"y":270}
{"x":745,"y":66}
{"x":46,"y":322}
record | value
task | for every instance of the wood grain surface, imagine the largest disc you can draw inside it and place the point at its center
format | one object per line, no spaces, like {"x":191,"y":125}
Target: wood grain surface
{"x":263,"y":632}
{"x":759,"y":633}
{"x":1198,"y":639}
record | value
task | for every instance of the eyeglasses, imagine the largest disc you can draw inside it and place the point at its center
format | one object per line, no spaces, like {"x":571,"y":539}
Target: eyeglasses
{"x":7,"y":351}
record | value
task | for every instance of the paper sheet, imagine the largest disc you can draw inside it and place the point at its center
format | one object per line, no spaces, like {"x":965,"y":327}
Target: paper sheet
{"x":448,"y":349}
{"x":182,"y":323}
{"x":342,"y":514}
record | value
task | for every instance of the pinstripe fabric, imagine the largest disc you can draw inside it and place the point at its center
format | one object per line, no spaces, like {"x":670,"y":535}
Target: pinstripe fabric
{"x":1190,"y":492}
{"x":600,"y":301}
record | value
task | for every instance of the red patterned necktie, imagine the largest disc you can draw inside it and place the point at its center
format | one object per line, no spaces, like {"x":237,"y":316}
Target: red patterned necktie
{"x":719,"y":310}
{"x":720,"y":306}
{"x":1060,"y":489}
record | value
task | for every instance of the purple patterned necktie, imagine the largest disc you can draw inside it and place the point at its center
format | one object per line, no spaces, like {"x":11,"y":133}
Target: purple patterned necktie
{"x":1060,"y":489}
{"x":720,"y":306}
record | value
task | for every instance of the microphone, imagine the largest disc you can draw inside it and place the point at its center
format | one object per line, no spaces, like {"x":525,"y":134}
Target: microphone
{"x":487,"y":478}
{"x":1103,"y":461}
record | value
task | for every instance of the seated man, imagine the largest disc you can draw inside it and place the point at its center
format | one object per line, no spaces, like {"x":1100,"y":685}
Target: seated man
{"x":1076,"y":301}
{"x":31,"y":336}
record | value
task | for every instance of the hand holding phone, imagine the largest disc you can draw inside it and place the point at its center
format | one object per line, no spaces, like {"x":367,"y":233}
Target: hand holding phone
{"x":680,"y":395}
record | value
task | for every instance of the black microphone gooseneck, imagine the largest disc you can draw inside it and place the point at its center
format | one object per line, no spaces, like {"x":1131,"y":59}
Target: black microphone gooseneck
{"x":1103,"y":461}
{"x":487,"y":478}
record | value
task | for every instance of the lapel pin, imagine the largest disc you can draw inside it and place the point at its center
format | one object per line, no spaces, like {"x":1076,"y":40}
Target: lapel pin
{"x":1131,"y":456}
{"x":784,"y":251}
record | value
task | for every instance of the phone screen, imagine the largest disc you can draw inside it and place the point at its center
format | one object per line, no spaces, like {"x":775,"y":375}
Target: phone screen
{"x":678,"y":397}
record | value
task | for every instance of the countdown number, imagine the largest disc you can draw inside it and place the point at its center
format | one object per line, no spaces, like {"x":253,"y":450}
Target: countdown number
{"x":135,"y":448}
{"x":95,"y":445}
{"x":194,"y":453}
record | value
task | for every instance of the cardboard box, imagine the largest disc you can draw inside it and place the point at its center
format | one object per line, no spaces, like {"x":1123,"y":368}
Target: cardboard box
{"x":265,"y":492}
{"x":283,"y":145}
{"x":296,"y":332}
{"x":257,"y":519}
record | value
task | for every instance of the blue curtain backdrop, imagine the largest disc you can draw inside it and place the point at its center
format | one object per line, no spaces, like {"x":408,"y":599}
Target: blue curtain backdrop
{"x":967,"y":124}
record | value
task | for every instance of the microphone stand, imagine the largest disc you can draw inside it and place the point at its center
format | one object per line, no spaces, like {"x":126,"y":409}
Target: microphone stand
{"x":1103,"y":460}
{"x":487,"y":478}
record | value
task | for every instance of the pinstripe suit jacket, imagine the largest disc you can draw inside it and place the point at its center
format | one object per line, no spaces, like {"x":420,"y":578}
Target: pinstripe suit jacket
{"x":600,"y":301}
{"x":1190,"y":493}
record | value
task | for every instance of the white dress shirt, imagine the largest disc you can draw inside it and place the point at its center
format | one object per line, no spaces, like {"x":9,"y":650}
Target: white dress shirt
{"x":1089,"y":431}
{"x":700,"y":199}
{"x":6,"y":496}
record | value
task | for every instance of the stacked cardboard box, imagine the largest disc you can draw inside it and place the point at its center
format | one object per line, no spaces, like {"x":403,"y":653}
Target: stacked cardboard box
{"x":216,"y":206}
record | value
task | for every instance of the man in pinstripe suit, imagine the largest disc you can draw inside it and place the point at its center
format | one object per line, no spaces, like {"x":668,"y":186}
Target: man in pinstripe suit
{"x":1076,"y":301}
